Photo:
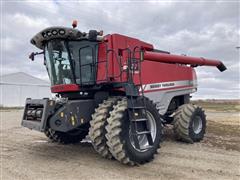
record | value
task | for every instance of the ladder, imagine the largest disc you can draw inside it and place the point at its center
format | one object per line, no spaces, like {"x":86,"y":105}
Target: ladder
{"x":139,"y":123}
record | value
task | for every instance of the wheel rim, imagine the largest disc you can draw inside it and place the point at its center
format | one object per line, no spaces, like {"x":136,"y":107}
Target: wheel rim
{"x":197,"y":125}
{"x":143,"y":142}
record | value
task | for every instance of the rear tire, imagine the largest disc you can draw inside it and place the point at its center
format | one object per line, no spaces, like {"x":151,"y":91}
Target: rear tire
{"x":97,"y":129}
{"x":72,"y":137}
{"x":189,"y":123}
{"x":119,"y":141}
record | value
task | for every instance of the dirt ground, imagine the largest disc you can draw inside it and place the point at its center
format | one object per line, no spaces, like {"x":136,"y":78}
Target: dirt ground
{"x":27,"y":154}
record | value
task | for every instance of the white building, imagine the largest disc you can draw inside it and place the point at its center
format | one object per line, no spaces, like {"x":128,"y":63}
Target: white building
{"x":16,"y":87}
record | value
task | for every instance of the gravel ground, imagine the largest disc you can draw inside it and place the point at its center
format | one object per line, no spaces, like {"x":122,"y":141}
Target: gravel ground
{"x":27,"y":154}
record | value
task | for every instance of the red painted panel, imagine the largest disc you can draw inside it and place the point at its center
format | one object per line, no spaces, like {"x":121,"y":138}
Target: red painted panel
{"x":101,"y":64}
{"x":121,"y":42}
{"x":153,"y":72}
{"x":64,"y":88}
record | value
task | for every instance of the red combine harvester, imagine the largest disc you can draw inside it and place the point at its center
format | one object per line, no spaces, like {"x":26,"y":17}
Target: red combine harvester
{"x":119,"y":90}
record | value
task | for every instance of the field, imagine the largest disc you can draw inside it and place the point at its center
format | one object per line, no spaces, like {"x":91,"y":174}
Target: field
{"x":27,"y":154}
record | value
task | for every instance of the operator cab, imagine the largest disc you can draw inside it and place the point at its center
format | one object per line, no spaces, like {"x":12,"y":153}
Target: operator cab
{"x":71,"y":62}
{"x":70,"y":55}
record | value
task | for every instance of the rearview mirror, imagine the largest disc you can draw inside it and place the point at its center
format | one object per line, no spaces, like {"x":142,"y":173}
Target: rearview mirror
{"x":31,"y":56}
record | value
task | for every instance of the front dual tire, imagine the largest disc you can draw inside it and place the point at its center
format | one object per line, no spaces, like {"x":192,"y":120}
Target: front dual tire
{"x":97,"y":129}
{"x":119,"y":138}
{"x":111,"y":136}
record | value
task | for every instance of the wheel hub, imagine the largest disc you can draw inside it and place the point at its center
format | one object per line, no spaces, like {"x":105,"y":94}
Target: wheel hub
{"x":142,"y":139}
{"x":197,"y":125}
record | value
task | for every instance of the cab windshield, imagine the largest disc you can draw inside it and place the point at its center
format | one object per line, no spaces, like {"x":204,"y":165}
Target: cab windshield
{"x":70,"y":62}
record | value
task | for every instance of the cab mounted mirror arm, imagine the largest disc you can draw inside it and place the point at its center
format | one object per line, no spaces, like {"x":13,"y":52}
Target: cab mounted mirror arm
{"x":33,"y":54}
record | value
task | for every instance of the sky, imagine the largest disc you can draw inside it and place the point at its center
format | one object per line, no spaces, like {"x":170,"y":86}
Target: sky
{"x":201,"y":28}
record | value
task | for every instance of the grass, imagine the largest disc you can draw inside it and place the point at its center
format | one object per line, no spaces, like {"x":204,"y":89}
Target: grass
{"x":217,"y":105}
{"x":11,"y":108}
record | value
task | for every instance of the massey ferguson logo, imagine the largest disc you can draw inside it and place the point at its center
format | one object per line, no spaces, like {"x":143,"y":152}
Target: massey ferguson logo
{"x":169,"y":85}
{"x":161,"y":85}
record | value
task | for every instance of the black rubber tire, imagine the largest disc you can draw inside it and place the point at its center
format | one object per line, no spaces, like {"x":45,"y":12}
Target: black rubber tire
{"x":118,"y":135}
{"x":97,"y":129}
{"x":183,"y":123}
{"x":48,"y":134}
{"x":72,"y":137}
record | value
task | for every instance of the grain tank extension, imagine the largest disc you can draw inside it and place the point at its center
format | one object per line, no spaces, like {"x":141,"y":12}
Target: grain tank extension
{"x":119,"y":90}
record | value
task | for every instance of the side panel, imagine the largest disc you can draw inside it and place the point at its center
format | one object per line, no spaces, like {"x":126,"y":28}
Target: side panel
{"x":163,"y":98}
{"x":153,"y":72}
{"x":162,"y":82}
{"x":102,"y":65}
{"x":118,"y":54}
{"x":72,"y":114}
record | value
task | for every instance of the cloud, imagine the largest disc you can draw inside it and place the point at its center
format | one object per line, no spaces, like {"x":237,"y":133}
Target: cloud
{"x":28,"y":22}
{"x":208,"y":29}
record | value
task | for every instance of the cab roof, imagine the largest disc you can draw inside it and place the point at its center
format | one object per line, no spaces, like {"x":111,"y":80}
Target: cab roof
{"x":55,"y":32}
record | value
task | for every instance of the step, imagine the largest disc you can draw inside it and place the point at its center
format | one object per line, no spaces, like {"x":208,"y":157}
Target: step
{"x":137,"y":107}
{"x":147,"y":147}
{"x":143,"y":132}
{"x":139,"y":120}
